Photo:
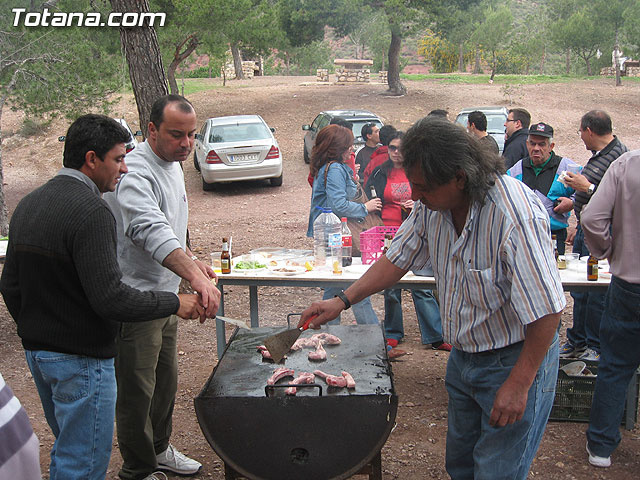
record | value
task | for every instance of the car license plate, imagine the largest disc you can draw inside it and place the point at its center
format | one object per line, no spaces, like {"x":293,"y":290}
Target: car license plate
{"x":246,"y":157}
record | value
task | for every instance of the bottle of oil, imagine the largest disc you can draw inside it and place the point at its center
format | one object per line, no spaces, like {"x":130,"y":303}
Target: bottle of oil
{"x":592,"y":268}
{"x":225,"y":257}
{"x":347,"y":243}
{"x":554,"y":241}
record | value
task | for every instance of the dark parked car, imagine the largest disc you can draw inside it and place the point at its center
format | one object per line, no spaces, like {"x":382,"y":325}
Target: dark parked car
{"x":356,"y":117}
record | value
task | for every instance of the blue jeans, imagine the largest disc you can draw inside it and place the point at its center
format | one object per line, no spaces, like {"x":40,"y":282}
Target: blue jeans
{"x":620,"y":357}
{"x":475,"y":449}
{"x":587,"y":308}
{"x":427,"y":311}
{"x":363,"y":311}
{"x":78,"y":396}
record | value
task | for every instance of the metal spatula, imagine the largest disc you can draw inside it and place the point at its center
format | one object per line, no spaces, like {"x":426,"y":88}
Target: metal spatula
{"x":280,"y":343}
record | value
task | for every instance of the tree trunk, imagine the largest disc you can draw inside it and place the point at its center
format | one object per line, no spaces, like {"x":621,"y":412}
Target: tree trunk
{"x":237,"y":61}
{"x":494,"y":61}
{"x":4,"y":214}
{"x":395,"y":85}
{"x":586,"y":60}
{"x":616,"y":59}
{"x":543,"y":59}
{"x":476,"y":67}
{"x":461,"y":57}
{"x":178,"y":58}
{"x":568,"y":61}
{"x":146,"y":71}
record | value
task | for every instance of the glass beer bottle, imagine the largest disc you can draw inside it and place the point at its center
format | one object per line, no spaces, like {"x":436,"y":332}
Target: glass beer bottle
{"x":592,"y":268}
{"x":225,"y":257}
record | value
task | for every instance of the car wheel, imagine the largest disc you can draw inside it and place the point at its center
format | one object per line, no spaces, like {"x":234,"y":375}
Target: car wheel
{"x":207,"y":187}
{"x":306,"y":155}
{"x":276,"y":181}
{"x":195,"y":161}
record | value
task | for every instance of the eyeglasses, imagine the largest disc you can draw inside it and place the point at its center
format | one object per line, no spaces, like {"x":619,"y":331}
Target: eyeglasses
{"x":394,"y":148}
{"x":510,"y":120}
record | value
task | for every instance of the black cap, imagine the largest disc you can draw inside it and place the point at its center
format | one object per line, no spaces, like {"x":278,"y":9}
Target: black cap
{"x":541,"y":129}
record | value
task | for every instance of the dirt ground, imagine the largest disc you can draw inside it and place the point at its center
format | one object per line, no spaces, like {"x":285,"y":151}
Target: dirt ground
{"x":257,"y":214}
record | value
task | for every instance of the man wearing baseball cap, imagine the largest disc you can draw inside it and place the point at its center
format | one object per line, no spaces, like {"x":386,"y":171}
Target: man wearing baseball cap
{"x":541,"y":171}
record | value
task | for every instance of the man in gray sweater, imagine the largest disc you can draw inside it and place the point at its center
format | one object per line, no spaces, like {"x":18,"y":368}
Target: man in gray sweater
{"x":150,"y":206}
{"x":62,"y":285}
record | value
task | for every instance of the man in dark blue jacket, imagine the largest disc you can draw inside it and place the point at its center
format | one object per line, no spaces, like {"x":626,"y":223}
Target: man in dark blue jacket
{"x":516,"y":133}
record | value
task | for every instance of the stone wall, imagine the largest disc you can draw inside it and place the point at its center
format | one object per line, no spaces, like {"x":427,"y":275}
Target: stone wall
{"x":322,"y":75}
{"x":248,"y":69}
{"x":347,"y":75}
{"x":382,"y":75}
{"x":633,"y":71}
{"x":628,"y":72}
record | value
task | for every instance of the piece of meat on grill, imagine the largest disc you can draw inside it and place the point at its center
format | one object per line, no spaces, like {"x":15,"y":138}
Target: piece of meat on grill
{"x":265,"y":352}
{"x":280,"y":373}
{"x":302,"y":378}
{"x":306,"y":342}
{"x":319,"y":355}
{"x":332,"y":380}
{"x":314,"y":340}
{"x":351,"y":383}
{"x":327,"y":338}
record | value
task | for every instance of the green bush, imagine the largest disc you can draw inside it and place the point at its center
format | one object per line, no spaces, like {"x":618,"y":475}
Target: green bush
{"x":31,"y":127}
{"x":202,"y":72}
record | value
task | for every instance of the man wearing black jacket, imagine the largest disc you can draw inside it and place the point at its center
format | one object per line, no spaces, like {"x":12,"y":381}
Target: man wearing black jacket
{"x":62,"y":285}
{"x":516,"y":133}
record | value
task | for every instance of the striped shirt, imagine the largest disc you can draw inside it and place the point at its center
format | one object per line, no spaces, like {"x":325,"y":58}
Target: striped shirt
{"x":495,"y":278}
{"x":595,"y":168}
{"x":19,"y":447}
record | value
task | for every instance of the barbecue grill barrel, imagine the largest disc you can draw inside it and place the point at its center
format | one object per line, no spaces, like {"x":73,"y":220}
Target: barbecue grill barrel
{"x":307,"y":436}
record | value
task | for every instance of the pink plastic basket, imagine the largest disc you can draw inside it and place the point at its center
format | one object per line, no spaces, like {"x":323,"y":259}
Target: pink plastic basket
{"x":372,"y":243}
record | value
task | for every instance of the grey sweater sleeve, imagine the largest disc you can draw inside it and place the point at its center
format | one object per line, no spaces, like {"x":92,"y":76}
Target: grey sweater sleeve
{"x":144,"y":222}
{"x":94,"y":255}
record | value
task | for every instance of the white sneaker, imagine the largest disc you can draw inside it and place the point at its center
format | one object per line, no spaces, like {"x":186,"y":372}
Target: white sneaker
{"x":590,"y":354}
{"x":602,"y":462}
{"x":174,"y":461}
{"x":156,"y":476}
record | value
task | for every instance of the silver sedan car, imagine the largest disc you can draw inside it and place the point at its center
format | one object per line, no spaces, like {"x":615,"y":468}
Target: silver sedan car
{"x":240,"y":147}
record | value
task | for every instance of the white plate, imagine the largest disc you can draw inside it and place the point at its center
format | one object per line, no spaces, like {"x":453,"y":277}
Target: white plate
{"x":292,"y":270}
{"x":356,"y":268}
{"x":602,"y":262}
{"x":248,"y":270}
{"x":574,"y":368}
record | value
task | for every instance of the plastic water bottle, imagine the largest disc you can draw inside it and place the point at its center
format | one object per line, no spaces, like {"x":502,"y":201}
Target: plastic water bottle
{"x":327,"y":240}
{"x":347,"y":242}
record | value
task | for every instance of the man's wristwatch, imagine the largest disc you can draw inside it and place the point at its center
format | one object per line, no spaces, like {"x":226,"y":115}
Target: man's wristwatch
{"x":345,"y":300}
{"x":591,"y":189}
